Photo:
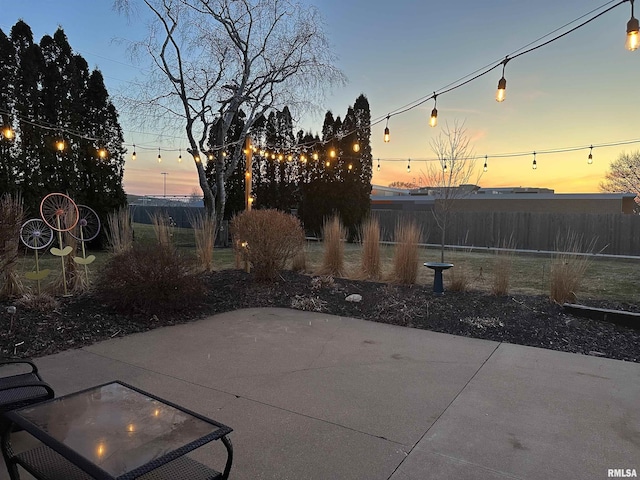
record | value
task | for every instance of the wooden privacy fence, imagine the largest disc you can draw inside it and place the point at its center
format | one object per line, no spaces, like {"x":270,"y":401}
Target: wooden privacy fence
{"x":613,"y":234}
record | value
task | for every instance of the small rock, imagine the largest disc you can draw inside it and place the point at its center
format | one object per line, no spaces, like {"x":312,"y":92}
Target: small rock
{"x":354,"y":297}
{"x":597,"y":354}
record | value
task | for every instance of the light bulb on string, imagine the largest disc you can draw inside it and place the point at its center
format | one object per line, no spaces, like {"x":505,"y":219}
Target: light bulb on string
{"x":444,"y":169}
{"x":180,"y":156}
{"x":280,"y":157}
{"x":378,"y":164}
{"x":356,"y":147}
{"x":290,"y":157}
{"x":433,"y":120}
{"x":386,"y":131}
{"x":60,"y":145}
{"x":590,"y":157}
{"x":133,"y":155}
{"x":409,"y":166}
{"x":102,"y":153}
{"x":486,"y":167}
{"x":210,"y":155}
{"x":535,"y":164}
{"x":501,"y":94}
{"x":7,"y":132}
{"x":315,"y":155}
{"x":159,"y":156}
{"x":303,"y":159}
{"x":350,"y":167}
{"x":633,"y":41}
{"x":328,"y":163}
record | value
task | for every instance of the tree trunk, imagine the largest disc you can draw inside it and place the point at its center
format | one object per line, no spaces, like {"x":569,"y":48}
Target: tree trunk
{"x":207,"y":191}
{"x":442,"y":244}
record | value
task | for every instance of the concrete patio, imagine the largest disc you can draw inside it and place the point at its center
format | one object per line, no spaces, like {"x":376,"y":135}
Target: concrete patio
{"x":314,"y":396}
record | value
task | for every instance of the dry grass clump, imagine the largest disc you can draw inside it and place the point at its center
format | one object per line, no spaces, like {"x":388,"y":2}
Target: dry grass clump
{"x":370,"y":267}
{"x":569,"y":267}
{"x":333,"y":237}
{"x":204,"y":229}
{"x":405,"y":258}
{"x":42,"y":302}
{"x":149,"y":281}
{"x":459,"y":279}
{"x":267,"y":239}
{"x":11,"y":219}
{"x":299,"y":262}
{"x":120,"y":231}
{"x":502,"y":267}
{"x":162,"y":227}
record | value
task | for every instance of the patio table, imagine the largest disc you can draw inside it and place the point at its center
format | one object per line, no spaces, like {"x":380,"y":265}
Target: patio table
{"x":113,"y":431}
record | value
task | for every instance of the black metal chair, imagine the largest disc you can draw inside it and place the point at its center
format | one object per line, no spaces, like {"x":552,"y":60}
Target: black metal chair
{"x":22,"y":388}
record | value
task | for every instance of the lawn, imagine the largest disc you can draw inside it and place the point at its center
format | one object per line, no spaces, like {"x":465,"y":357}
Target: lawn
{"x":606,"y":278}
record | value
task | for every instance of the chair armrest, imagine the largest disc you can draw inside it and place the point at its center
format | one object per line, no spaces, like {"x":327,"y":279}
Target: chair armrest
{"x":34,"y":383}
{"x":34,"y":369}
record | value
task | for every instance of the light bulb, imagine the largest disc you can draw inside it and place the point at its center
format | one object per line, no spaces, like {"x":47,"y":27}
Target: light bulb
{"x":102,"y":153}
{"x":378,"y":164}
{"x":445,"y":168}
{"x":386,"y":135}
{"x":633,"y":42}
{"x":433,"y":121}
{"x":332,"y":153}
{"x":133,"y":155}
{"x":590,"y":157}
{"x":328,"y":164}
{"x":180,"y":158}
{"x":315,"y":155}
{"x":303,"y":159}
{"x":60,"y":145}
{"x":280,"y":157}
{"x":210,"y":155}
{"x":502,"y":87}
{"x":7,"y":132}
{"x":485,"y":168}
{"x":159,"y":156}
{"x":350,"y":167}
{"x":409,"y":166}
{"x":356,"y":147}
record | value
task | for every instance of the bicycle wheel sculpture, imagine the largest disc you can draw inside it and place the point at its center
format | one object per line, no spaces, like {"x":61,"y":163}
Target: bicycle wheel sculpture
{"x":36,"y":235}
{"x":61,"y":214}
{"x":86,"y":230}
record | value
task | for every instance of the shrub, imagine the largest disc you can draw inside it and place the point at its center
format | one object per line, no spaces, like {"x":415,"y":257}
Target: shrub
{"x":370,"y":262}
{"x":120,"y":232}
{"x":42,"y":302}
{"x":267,"y":239}
{"x":405,"y":259}
{"x":148,"y":280}
{"x":568,"y":267}
{"x":204,"y":229}
{"x":11,"y":219}
{"x":502,"y":266}
{"x":333,"y":237}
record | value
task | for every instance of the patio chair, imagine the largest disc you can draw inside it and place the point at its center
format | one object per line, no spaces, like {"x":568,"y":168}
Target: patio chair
{"x":21,"y":389}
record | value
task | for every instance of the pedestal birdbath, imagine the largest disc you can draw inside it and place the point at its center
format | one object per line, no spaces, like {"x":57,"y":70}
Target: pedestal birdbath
{"x":438,"y":267}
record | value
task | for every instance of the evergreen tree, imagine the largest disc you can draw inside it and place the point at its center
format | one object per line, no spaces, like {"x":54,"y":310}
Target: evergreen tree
{"x":7,"y":105}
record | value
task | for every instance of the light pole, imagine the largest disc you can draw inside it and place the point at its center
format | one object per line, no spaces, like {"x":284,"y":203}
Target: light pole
{"x":164,"y":175}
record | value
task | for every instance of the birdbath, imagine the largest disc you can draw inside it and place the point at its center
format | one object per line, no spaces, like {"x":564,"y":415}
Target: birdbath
{"x":438,"y":267}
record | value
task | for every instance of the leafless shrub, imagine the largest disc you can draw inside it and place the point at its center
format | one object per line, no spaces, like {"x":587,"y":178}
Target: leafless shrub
{"x":204,"y":229}
{"x":569,"y":266}
{"x":333,"y":237}
{"x":120,"y":231}
{"x":11,"y":219}
{"x":405,"y":258}
{"x":370,"y":266}
{"x":502,"y":267}
{"x":268,"y":239}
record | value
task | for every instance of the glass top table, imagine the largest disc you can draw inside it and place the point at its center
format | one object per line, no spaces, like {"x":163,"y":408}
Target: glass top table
{"x":117,"y":431}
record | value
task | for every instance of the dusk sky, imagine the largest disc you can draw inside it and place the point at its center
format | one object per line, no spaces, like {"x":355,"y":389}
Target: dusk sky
{"x":581,"y":90}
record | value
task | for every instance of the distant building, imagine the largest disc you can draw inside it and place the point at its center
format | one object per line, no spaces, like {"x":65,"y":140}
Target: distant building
{"x":510,"y":199}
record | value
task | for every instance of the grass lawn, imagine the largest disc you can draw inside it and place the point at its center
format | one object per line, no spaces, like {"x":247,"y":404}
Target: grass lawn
{"x":605,"y":279}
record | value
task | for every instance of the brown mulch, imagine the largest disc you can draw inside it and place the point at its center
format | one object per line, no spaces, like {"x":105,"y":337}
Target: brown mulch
{"x":520,"y":319}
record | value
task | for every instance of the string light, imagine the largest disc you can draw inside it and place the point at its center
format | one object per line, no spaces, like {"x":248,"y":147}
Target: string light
{"x":356,"y":147}
{"x":180,"y":157}
{"x":133,"y":155}
{"x":303,"y":159}
{"x":60,"y":144}
{"x":590,"y":157}
{"x":328,"y":163}
{"x":196,"y":157}
{"x":350,"y":167}
{"x":486,"y":167}
{"x":433,"y":120}
{"x":7,"y":132}
{"x":315,"y":155}
{"x":502,"y":83}
{"x":378,"y":164}
{"x":386,"y":131}
{"x":444,"y":169}
{"x":409,"y":166}
{"x":535,"y":164}
{"x":633,"y":25}
{"x":159,"y":156}
{"x":332,"y":153}
{"x":102,"y":152}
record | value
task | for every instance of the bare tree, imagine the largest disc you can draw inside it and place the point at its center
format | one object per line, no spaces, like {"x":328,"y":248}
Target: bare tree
{"x":450,"y":177}
{"x":212,"y":59}
{"x":624,"y":176}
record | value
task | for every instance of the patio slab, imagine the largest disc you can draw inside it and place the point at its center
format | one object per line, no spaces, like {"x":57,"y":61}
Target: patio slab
{"x":314,"y":396}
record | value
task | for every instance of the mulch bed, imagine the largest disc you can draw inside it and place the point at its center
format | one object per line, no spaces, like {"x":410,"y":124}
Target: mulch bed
{"x":520,"y":319}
